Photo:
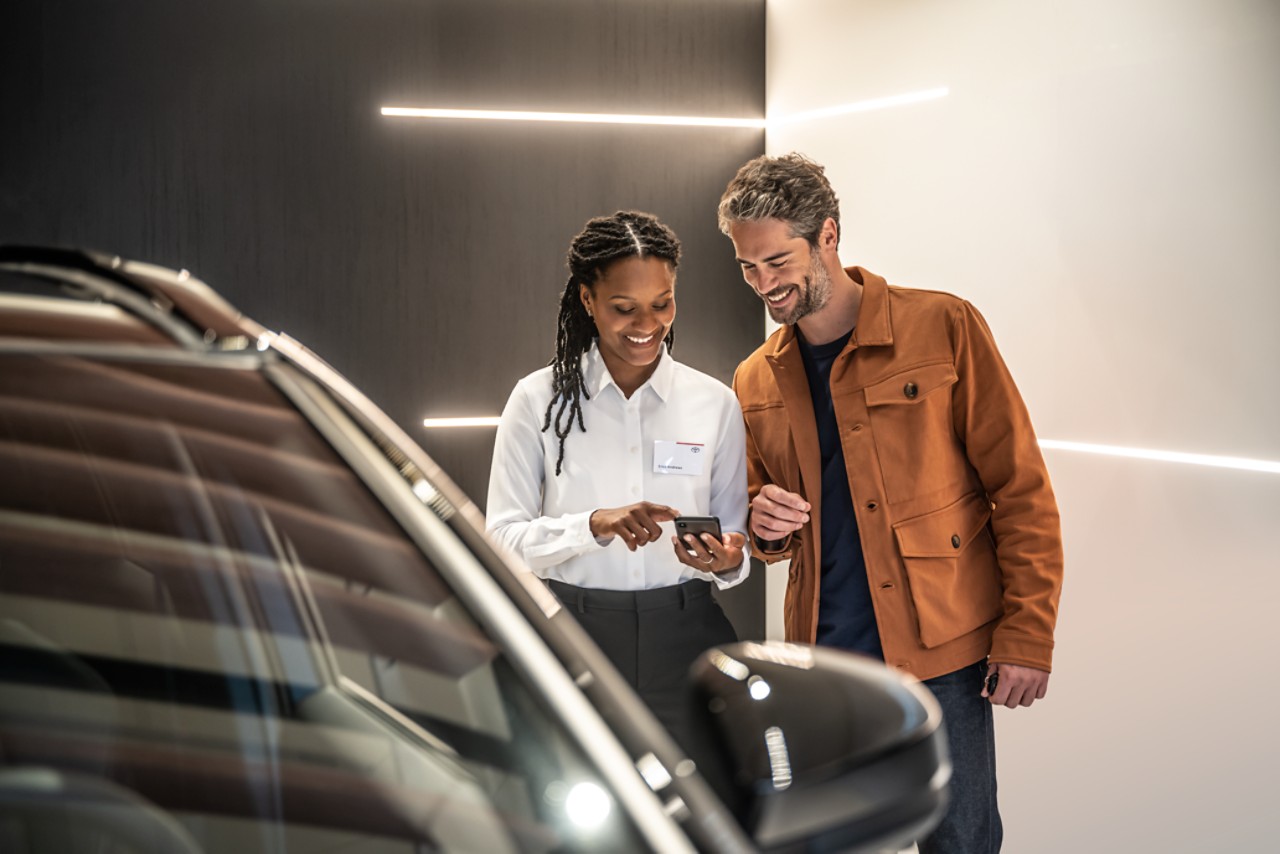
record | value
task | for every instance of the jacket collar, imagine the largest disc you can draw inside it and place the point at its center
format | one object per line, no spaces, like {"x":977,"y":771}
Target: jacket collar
{"x":596,"y":376}
{"x":875,"y":326}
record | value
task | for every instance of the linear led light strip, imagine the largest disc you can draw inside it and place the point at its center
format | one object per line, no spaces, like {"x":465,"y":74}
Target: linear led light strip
{"x":696,"y":121}
{"x":480,"y":421}
{"x":596,"y":118}
{"x":1165,"y":456}
{"x":1243,"y":463}
{"x":862,"y":106}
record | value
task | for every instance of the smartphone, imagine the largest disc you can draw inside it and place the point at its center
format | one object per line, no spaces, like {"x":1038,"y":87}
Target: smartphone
{"x":698,"y":525}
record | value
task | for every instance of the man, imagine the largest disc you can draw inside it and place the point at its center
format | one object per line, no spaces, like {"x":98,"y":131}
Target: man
{"x":891,"y":458}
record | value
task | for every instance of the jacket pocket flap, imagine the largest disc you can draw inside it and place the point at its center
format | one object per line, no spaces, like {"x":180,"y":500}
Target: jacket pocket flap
{"x":944,"y":532}
{"x":911,"y":386}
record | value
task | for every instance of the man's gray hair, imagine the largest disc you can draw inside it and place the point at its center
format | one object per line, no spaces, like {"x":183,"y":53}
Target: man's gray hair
{"x":791,"y":188}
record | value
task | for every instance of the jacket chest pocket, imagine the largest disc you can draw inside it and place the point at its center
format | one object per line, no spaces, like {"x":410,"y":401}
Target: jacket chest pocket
{"x":951,"y":565}
{"x":915,"y":439}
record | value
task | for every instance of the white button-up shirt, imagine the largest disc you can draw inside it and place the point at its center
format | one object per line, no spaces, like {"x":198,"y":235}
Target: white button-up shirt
{"x":545,"y":517}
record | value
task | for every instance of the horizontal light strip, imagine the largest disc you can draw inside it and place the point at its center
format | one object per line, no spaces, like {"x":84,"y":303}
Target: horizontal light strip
{"x":862,"y":106}
{"x":691,"y":121}
{"x":484,"y":420}
{"x":1165,"y":456}
{"x":595,"y":118}
{"x":1243,"y":463}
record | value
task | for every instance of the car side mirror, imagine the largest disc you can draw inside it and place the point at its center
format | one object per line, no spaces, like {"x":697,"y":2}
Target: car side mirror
{"x":819,"y":749}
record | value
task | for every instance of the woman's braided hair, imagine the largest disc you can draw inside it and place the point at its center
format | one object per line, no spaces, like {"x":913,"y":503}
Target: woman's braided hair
{"x":604,"y":240}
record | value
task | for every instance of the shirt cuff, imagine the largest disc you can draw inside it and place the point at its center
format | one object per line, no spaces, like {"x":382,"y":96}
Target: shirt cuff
{"x":578,"y":528}
{"x":732,"y":578}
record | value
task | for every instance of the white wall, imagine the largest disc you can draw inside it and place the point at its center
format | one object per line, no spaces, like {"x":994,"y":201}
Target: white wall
{"x":1103,"y":182}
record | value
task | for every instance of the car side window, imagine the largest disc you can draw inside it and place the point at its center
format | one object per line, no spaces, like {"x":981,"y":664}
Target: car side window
{"x":211,"y":627}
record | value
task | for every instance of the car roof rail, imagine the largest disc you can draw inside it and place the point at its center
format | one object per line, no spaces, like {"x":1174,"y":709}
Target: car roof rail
{"x":176,"y":303}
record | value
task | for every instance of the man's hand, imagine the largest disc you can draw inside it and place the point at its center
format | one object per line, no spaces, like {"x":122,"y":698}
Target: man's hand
{"x":637,"y":524}
{"x":776,"y":513}
{"x":1016,"y":685}
{"x":710,"y":554}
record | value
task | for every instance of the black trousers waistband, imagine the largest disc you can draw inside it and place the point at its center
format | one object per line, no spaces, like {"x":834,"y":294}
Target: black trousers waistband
{"x":676,"y":596}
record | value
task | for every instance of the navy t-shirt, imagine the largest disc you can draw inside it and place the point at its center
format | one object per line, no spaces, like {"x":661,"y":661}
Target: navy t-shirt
{"x":845,"y":616}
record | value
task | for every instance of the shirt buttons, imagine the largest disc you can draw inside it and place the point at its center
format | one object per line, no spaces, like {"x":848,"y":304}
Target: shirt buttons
{"x":910,"y":390}
{"x":955,"y":541}
{"x":634,"y":449}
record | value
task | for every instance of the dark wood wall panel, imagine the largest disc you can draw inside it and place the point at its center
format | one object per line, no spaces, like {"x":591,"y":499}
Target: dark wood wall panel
{"x":242,"y":141}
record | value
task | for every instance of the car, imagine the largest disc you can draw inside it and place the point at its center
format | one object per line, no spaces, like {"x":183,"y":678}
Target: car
{"x":241,"y":610}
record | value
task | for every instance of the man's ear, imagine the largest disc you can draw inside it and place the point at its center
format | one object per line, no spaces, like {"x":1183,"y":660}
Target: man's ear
{"x":829,"y":235}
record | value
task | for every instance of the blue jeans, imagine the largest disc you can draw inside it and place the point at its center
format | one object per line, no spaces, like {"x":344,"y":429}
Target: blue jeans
{"x":972,"y":822}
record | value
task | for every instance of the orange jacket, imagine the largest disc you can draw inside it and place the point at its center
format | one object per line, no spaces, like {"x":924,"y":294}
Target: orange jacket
{"x":958,"y":521}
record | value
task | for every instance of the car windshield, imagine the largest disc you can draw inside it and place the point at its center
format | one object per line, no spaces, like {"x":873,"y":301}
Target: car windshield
{"x":212,"y":629}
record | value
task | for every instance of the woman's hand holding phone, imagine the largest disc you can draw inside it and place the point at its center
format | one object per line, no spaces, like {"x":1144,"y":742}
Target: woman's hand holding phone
{"x":700,"y":544}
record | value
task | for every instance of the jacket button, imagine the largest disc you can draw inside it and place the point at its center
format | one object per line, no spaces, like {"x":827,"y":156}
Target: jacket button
{"x":910,"y":390}
{"x":955,"y":541}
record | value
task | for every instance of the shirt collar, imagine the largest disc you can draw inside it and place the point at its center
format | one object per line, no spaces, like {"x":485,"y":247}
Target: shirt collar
{"x":596,"y":376}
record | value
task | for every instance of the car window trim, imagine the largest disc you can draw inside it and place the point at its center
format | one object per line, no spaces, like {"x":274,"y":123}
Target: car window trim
{"x":139,"y":304}
{"x":239,"y":359}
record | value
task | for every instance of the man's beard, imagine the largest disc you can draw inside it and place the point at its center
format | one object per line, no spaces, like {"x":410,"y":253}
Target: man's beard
{"x":813,"y":295}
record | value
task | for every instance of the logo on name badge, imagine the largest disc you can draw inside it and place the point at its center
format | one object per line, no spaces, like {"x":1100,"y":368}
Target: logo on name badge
{"x":682,"y":458}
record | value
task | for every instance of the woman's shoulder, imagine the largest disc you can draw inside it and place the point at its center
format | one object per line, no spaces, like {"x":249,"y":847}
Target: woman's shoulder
{"x":540,"y":378}
{"x":534,"y":387}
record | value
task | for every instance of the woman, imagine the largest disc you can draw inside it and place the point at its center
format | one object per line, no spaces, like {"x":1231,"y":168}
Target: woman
{"x":598,"y":453}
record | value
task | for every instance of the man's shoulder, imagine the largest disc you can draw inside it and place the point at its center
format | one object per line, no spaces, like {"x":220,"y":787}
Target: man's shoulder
{"x":924,"y":317}
{"x":924,"y":300}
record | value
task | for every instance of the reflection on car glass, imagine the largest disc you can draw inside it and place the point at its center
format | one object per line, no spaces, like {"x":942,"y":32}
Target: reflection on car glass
{"x":200,"y":601}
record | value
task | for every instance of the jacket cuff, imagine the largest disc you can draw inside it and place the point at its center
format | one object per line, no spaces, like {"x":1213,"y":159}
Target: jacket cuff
{"x":1012,"y":647}
{"x":772,"y":551}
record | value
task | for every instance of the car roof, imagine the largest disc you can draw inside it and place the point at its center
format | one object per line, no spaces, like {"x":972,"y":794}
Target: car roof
{"x":76,"y":294}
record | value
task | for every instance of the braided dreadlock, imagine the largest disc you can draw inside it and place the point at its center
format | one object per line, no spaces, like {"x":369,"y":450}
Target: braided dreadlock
{"x":604,"y":240}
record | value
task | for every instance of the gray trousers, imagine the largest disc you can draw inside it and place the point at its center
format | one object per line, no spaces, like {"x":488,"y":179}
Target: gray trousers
{"x":652,"y":636}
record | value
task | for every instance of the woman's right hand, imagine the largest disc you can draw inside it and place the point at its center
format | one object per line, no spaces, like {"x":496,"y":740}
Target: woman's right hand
{"x":637,"y":524}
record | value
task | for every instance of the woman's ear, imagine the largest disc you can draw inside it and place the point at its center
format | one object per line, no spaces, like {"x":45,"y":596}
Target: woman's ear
{"x":584,"y":293}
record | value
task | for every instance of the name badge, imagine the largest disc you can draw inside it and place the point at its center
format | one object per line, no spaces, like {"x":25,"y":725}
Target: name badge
{"x":678,"y":457}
